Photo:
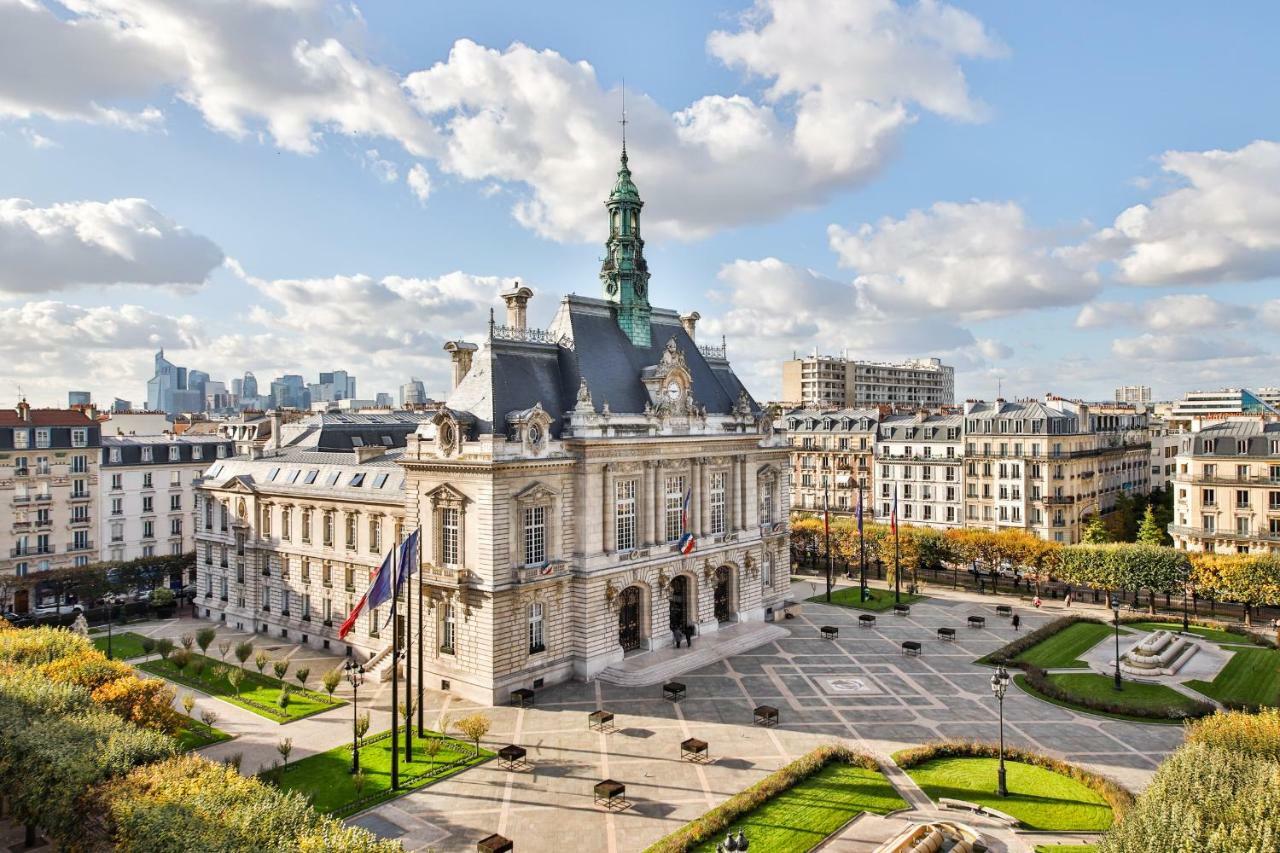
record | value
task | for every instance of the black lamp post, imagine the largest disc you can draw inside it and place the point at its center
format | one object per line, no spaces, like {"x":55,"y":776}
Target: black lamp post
{"x":1115,"y":609}
{"x":355,"y":677}
{"x":999,"y":686}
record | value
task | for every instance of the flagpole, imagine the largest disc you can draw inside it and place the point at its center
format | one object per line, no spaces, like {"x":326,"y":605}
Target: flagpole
{"x":826,"y":523}
{"x":408,"y":662}
{"x":422,"y":732}
{"x":395,"y":681}
{"x":897,"y":568}
{"x":862,"y":546}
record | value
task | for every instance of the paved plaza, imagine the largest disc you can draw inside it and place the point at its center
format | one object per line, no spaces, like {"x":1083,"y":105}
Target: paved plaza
{"x":857,"y":688}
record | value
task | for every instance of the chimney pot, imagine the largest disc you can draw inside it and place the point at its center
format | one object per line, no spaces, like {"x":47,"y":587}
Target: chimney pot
{"x":690,"y":322}
{"x":461,"y":353}
{"x":517,"y":299}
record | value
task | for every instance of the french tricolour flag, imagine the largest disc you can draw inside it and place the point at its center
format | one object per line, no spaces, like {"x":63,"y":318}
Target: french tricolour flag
{"x":687,"y":543}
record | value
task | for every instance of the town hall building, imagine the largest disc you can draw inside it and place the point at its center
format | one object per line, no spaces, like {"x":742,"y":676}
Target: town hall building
{"x":584,"y":491}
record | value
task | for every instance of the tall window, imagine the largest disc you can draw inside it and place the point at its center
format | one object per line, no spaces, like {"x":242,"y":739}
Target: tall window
{"x":447,"y":630}
{"x":535,"y":628}
{"x":674,"y":507}
{"x":306,"y":526}
{"x":535,"y":535}
{"x":449,"y":533}
{"x":351,"y":531}
{"x":375,"y":535}
{"x":328,"y":528}
{"x":717,"y":489}
{"x":625,"y":514}
{"x":286,"y":523}
{"x":766,"y":571}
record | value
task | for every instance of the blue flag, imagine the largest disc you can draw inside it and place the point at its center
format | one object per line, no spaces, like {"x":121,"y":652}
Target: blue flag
{"x":409,"y":556}
{"x":380,"y":589}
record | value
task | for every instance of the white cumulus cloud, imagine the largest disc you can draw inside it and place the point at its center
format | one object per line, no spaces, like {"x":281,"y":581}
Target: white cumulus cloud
{"x":124,"y":241}
{"x":419,"y":181}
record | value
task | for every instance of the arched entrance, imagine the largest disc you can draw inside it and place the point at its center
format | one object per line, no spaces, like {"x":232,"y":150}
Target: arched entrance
{"x":629,"y":615}
{"x":723,"y":595}
{"x":680,"y":598}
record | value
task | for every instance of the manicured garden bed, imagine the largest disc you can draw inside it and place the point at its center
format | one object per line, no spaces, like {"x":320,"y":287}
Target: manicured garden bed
{"x":1251,"y":678}
{"x":125,"y":645}
{"x":1138,"y":695}
{"x":878,"y":600}
{"x":1040,"y":798}
{"x":1212,"y":634}
{"x":1064,"y":648}
{"x":800,"y":818}
{"x":195,"y":734}
{"x":1066,"y":848}
{"x":326,"y":777}
{"x":258,"y":693}
{"x":794,"y":807}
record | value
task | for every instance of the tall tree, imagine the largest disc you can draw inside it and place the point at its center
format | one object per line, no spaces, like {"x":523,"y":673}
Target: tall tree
{"x":1095,"y":531}
{"x":1149,"y":531}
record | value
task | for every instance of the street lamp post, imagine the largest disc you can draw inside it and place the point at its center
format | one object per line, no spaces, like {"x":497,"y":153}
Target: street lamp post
{"x":355,"y":677}
{"x":1115,"y":609}
{"x":999,"y":686}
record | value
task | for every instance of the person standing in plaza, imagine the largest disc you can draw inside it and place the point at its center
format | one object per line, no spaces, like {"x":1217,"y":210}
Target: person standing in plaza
{"x":688,"y":636}
{"x":1017,"y":620}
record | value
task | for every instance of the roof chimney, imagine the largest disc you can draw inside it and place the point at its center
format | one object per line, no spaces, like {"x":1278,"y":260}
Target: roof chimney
{"x":24,"y":410}
{"x":690,"y":322}
{"x":277,"y":423}
{"x":460,"y":352}
{"x":517,"y":299}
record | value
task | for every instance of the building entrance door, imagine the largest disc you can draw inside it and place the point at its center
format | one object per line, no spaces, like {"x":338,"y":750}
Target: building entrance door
{"x":21,"y":601}
{"x":679,"y":596}
{"x":629,"y":619}
{"x":724,"y":608}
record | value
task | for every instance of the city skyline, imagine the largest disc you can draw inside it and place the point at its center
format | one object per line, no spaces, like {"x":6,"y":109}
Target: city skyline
{"x":1042,"y":231}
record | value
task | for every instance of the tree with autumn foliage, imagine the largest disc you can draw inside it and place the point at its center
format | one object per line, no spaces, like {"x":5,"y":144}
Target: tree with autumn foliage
{"x":145,"y":702}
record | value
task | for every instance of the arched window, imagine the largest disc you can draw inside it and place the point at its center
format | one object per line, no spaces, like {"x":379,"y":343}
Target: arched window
{"x":535,"y":628}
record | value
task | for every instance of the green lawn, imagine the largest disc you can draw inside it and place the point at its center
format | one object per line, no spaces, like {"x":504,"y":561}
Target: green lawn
{"x":1211,"y":634}
{"x":124,"y":645}
{"x":1136,"y":694}
{"x":195,"y":734}
{"x":1039,"y":798}
{"x":801,"y":817}
{"x":1021,"y":681}
{"x":258,"y":693}
{"x":1251,"y":677}
{"x":878,"y":599}
{"x":326,"y":777}
{"x":1064,"y":648}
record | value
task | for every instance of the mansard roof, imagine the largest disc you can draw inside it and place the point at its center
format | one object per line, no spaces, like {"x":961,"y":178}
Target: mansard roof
{"x":586,"y":343}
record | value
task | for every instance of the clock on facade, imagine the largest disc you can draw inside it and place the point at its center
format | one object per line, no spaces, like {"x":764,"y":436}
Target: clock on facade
{"x":674,"y":390}
{"x":535,"y":436}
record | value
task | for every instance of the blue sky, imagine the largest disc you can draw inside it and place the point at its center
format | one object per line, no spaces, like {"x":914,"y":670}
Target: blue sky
{"x":888,"y":179}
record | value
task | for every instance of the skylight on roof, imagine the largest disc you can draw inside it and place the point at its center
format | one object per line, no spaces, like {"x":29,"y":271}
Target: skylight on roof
{"x":357,"y":441}
{"x":332,"y":478}
{"x":357,"y":480}
{"x":379,"y":481}
{"x":311,"y":476}
{"x":293,"y":477}
{"x":271,"y":475}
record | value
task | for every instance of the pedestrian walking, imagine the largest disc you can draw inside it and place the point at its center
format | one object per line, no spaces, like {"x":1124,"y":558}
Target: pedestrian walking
{"x":1067,"y":602}
{"x":688,"y":636}
{"x":1037,"y":602}
{"x":675,"y":629}
{"x":1017,"y":620}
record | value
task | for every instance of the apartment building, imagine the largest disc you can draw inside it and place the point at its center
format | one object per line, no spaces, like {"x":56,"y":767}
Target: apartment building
{"x":48,"y":489}
{"x":147,"y":492}
{"x":836,"y":382}
{"x":832,"y":454}
{"x":1045,"y":467}
{"x":1133,"y":394}
{"x":920,"y":458}
{"x":1227,"y":488}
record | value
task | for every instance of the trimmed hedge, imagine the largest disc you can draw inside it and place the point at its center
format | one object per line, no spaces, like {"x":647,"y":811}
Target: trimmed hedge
{"x":720,"y":818}
{"x":1116,"y":796}
{"x":1040,"y":682}
{"x":1006,"y":654}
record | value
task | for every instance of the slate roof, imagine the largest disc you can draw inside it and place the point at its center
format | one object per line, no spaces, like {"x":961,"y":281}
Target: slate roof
{"x":339,"y":433}
{"x":508,"y":376}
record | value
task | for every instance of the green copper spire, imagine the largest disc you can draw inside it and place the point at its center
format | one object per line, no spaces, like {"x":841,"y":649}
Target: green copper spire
{"x":625,"y":273}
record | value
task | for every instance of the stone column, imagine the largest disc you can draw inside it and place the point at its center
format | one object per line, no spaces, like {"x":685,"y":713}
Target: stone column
{"x":646,"y":492}
{"x":608,"y":520}
{"x":731,"y":499}
{"x":695,"y":511}
{"x":656,"y":506}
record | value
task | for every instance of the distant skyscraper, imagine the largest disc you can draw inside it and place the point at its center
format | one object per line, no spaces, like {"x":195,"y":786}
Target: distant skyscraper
{"x":384,"y":400}
{"x":171,"y":389}
{"x":237,"y":387}
{"x":118,"y":405}
{"x":290,"y":391}
{"x":249,"y":385}
{"x":334,"y":385}
{"x":79,"y":398}
{"x":413,"y":393}
{"x":1133,"y":394}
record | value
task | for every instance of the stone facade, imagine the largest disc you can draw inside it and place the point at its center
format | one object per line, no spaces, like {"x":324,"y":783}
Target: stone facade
{"x":1227,"y":487}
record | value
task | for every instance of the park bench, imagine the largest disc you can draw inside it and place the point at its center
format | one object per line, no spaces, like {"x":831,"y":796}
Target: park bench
{"x":1004,"y":610}
{"x":693,"y":749}
{"x":866,"y":620}
{"x":673,"y":690}
{"x":600,"y":720}
{"x":522,"y":697}
{"x":765,"y":715}
{"x":901,"y":609}
{"x":977,"y":621}
{"x":947,"y":634}
{"x":829,"y":632}
{"x":610,"y":794}
{"x":511,"y":757}
{"x":495,"y":844}
{"x":911,"y":647}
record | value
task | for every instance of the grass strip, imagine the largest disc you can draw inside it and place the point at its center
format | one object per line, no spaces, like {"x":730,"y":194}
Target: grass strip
{"x":878,"y":600}
{"x":125,"y":645}
{"x":258,"y":693}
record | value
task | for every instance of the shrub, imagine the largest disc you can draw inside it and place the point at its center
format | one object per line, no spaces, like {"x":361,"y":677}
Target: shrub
{"x":1204,"y":799}
{"x":180,"y":658}
{"x":1255,"y":734}
{"x":198,"y":666}
{"x":89,"y":668}
{"x":244,"y":650}
{"x":188,"y":703}
{"x":301,"y":674}
{"x":1117,"y":797}
{"x":223,"y":648}
{"x":727,"y":813}
{"x":189,"y":803}
{"x":283,"y":700}
{"x":280,"y":668}
{"x":205,"y":638}
{"x":187,"y":641}
{"x":209,"y":718}
{"x":146,"y":702}
{"x":234,"y":677}
{"x":260,"y":660}
{"x":1039,"y":681}
{"x":162,"y":597}
{"x":164,"y":648}
{"x":473,"y":726}
{"x":34,"y":646}
{"x":331,"y":681}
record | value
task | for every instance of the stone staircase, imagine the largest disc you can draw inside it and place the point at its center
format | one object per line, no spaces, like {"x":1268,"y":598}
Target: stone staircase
{"x":661,"y":665}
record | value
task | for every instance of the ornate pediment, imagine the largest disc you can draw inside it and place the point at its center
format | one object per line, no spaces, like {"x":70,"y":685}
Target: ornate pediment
{"x":532,"y":428}
{"x":670,"y":384}
{"x":451,"y":430}
{"x":535,"y":492}
{"x":445,"y":494}
{"x":240,"y":483}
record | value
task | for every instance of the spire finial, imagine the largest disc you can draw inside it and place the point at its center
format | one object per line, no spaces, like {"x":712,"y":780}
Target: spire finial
{"x":623,"y":122}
